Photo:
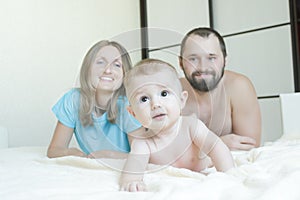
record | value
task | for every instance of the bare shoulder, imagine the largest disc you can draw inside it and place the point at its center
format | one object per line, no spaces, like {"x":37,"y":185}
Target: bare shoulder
{"x":193,"y":124}
{"x":139,"y":144}
{"x":232,"y":78}
{"x":240,"y":89}
{"x":236,"y":82}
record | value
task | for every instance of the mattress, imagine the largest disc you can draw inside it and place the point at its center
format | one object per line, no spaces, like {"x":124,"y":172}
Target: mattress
{"x":270,"y":172}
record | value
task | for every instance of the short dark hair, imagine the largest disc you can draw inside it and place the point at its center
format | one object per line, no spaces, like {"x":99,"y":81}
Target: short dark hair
{"x":204,"y":32}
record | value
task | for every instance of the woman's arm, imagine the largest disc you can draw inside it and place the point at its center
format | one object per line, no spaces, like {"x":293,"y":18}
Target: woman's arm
{"x":108,"y":154}
{"x":59,"y":145}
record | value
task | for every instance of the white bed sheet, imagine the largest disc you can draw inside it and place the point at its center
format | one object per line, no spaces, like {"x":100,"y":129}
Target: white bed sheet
{"x":269,"y":172}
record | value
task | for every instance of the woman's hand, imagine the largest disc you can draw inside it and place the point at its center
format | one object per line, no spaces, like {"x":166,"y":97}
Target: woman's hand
{"x":108,"y":154}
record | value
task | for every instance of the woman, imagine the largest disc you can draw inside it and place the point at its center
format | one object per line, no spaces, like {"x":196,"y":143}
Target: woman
{"x":96,"y":112}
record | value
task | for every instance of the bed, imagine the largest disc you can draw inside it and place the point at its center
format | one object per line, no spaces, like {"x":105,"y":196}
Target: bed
{"x":268,"y":172}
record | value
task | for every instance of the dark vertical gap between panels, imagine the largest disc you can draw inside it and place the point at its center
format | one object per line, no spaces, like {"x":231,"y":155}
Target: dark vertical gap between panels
{"x":295,"y":42}
{"x":144,"y":29}
{"x":211,"y":13}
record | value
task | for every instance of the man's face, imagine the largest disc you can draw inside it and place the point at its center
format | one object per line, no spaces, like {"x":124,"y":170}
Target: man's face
{"x":203,"y":62}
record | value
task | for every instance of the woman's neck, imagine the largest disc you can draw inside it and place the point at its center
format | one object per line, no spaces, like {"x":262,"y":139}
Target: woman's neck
{"x":102,"y":99}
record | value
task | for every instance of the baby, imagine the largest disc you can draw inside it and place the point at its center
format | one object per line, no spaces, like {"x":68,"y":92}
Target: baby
{"x":166,"y":138}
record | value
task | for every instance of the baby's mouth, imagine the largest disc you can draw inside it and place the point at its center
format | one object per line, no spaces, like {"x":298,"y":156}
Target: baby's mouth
{"x":158,"y":116}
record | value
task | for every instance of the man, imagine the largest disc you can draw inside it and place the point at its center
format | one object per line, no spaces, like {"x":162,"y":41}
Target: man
{"x":224,"y":100}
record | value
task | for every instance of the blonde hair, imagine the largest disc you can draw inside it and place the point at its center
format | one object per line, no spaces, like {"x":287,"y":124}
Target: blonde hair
{"x":87,"y":90}
{"x":150,"y":66}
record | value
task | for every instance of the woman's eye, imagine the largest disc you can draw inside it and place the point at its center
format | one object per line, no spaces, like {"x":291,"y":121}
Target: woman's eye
{"x":144,"y":99}
{"x":192,"y":59}
{"x":100,"y":62}
{"x":117,"y":65}
{"x":164,"y":93}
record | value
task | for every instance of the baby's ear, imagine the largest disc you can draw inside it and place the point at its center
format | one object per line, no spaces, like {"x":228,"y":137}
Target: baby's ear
{"x":183,"y":98}
{"x":129,"y":109}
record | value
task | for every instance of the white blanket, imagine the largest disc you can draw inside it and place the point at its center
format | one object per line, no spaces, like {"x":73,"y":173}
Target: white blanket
{"x":269,"y":172}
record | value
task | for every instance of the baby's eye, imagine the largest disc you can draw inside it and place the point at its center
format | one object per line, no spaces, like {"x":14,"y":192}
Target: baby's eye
{"x":164,"y":93}
{"x":144,"y":99}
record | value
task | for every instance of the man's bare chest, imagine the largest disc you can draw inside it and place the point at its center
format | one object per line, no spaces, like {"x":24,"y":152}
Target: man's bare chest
{"x":215,"y":113}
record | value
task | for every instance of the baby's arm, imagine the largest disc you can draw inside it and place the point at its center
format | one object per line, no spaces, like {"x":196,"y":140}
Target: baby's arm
{"x":213,"y":146}
{"x":218,"y":152}
{"x":132,"y":175}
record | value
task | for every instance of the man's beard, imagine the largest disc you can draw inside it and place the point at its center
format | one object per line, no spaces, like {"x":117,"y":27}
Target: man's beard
{"x":204,"y":85}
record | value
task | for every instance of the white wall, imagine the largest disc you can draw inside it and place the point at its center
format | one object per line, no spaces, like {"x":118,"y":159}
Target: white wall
{"x":265,"y":56}
{"x":42,"y":44}
{"x":167,"y":28}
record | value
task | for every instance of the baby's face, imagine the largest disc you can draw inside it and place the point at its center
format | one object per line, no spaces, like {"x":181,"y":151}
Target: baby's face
{"x":156,"y":106}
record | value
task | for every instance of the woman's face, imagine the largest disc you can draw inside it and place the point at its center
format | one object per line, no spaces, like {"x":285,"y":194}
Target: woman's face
{"x":107,"y":69}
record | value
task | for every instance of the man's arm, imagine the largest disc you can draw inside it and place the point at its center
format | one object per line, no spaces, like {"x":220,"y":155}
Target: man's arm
{"x":246,"y":116}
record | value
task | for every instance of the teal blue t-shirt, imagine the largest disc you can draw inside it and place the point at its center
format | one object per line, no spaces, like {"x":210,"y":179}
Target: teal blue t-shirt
{"x":103,"y":135}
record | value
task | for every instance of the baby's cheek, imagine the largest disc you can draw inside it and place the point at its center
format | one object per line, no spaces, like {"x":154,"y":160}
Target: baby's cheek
{"x":145,"y":121}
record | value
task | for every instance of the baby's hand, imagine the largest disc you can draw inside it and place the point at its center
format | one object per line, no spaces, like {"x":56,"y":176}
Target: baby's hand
{"x":135,"y":186}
